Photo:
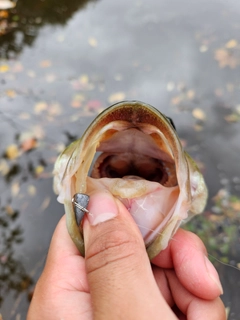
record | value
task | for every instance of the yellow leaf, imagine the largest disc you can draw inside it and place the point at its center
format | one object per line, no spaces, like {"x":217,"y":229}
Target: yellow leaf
{"x":39,"y":169}
{"x":199,"y":114}
{"x":116,"y":97}
{"x":231,"y":44}
{"x":11,"y":93}
{"x":12,"y":151}
{"x":93,"y":42}
{"x":32,"y":190}
{"x":40,"y":107}
{"x":4,"y":68}
{"x":15,"y":188}
{"x":84,"y":79}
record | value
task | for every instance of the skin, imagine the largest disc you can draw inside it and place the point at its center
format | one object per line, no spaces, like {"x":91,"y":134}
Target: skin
{"x":116,"y":280}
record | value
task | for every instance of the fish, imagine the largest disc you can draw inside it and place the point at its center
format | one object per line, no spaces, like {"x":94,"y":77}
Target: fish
{"x":133,"y":151}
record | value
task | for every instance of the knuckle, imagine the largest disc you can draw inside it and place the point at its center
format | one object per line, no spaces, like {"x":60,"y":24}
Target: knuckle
{"x":112,"y":247}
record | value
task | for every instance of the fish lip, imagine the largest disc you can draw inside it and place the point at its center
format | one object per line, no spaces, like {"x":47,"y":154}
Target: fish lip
{"x":137,"y":112}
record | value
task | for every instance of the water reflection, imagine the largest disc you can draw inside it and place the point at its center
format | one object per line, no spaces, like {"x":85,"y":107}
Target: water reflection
{"x":13,"y":276}
{"x":19,"y":26}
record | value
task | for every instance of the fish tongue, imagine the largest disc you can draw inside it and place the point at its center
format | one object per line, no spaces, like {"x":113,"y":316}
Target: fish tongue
{"x":150,"y":203}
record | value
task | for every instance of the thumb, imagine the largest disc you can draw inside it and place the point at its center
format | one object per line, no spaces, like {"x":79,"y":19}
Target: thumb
{"x":119,"y":273}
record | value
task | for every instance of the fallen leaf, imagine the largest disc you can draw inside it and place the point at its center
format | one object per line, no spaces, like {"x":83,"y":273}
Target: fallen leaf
{"x":24,"y":116}
{"x":45,"y":64}
{"x":4,"y":14}
{"x":32,"y":190}
{"x":50,"y":77}
{"x":15,"y":188}
{"x":170,"y":86}
{"x":45,"y":203}
{"x":77,"y":100}
{"x":92,"y":42}
{"x":231,"y":44}
{"x":29,"y":144}
{"x":116,"y":97}
{"x":94,"y":105}
{"x":190,"y":94}
{"x":84,"y":79}
{"x":199,"y":114}
{"x":4,"y":167}
{"x":203,"y":48}
{"x":31,"y":73}
{"x":4,"y":68}
{"x":9,"y":210}
{"x":226,"y":58}
{"x":54,"y":109}
{"x":11,"y":93}
{"x":12,"y":151}
{"x":233,"y":117}
{"x":39,"y":169}
{"x":40,"y":107}
{"x":6,"y":4}
{"x":176,"y":100}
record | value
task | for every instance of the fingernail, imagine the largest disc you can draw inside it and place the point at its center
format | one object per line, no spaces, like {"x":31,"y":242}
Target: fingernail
{"x":102,"y":208}
{"x":212,"y":272}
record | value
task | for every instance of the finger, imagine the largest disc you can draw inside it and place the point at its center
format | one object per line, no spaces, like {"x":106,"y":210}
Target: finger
{"x":192,"y":306}
{"x":62,"y":290}
{"x":120,"y":278}
{"x":187,"y":255}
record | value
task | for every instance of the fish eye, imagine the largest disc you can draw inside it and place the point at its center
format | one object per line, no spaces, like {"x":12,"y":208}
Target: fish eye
{"x":171,"y":122}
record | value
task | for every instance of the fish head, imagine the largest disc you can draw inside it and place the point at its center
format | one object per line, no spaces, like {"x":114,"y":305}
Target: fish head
{"x":142,"y":163}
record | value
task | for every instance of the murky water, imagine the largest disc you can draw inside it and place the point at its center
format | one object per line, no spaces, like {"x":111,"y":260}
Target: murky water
{"x":62,"y":64}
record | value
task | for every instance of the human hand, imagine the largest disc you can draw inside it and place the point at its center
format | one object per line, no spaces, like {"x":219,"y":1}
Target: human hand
{"x":116,"y":280}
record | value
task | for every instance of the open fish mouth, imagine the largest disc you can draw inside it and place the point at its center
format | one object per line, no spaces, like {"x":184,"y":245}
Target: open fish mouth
{"x":142,"y":163}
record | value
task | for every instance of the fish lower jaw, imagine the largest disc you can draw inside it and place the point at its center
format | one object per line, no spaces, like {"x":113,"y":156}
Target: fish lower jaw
{"x":150,"y":204}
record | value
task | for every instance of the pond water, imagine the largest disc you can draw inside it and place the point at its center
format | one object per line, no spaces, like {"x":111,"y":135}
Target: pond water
{"x":62,"y":62}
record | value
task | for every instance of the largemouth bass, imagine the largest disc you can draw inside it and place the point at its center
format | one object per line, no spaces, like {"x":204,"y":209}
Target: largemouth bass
{"x":141,"y":163}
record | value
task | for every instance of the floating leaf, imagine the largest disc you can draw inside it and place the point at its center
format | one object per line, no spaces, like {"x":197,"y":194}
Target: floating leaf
{"x":176,"y":100}
{"x":199,"y":114}
{"x":93,"y":42}
{"x":4,"y":167}
{"x":203,"y":48}
{"x":231,"y":44}
{"x":6,"y":4}
{"x":190,"y":94}
{"x":24,"y":116}
{"x":31,"y":73}
{"x":12,"y":151}
{"x":4,"y":68}
{"x":51,"y":77}
{"x":84,"y":79}
{"x":170,"y":86}
{"x":11,"y":93}
{"x":32,"y":190}
{"x":39,"y":169}
{"x":29,"y":144}
{"x":115,"y":97}
{"x":226,"y":58}
{"x":45,"y":203}
{"x":9,"y":210}
{"x":40,"y":107}
{"x":45,"y":64}
{"x":77,"y":100}
{"x":4,"y":14}
{"x":15,"y":188}
{"x":54,"y":109}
